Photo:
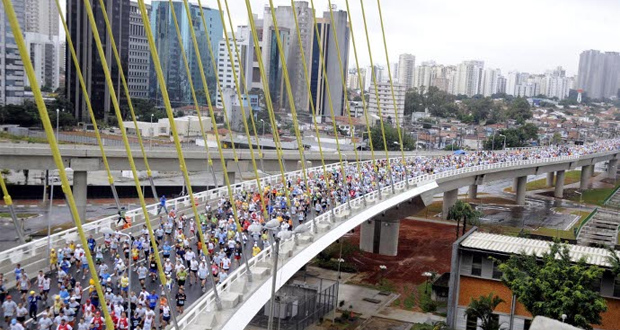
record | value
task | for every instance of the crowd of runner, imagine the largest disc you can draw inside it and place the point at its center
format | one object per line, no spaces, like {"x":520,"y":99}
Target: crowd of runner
{"x":77,"y":306}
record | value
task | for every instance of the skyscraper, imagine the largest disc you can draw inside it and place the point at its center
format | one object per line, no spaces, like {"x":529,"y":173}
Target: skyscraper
{"x":286,"y":25}
{"x":468,"y":78}
{"x":11,"y":65}
{"x":406,"y":65}
{"x":490,"y":81}
{"x":88,"y":57}
{"x":599,"y":73}
{"x":139,"y":54}
{"x":225,"y":64}
{"x":167,"y":44}
{"x":43,"y":42}
{"x":326,"y":38}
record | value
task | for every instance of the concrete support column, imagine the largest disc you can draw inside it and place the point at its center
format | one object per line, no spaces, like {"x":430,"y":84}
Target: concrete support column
{"x":380,"y":236}
{"x":231,"y":177}
{"x":388,"y":237}
{"x":367,"y":234}
{"x":473,"y":191}
{"x":586,"y":172}
{"x":521,"y":183}
{"x":449,"y":199}
{"x":559,"y":185}
{"x":550,"y":177}
{"x":612,"y":169}
{"x":80,"y":185}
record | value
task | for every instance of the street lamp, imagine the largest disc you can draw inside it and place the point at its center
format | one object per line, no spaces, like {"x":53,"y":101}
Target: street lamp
{"x":109,"y":231}
{"x":50,"y":211}
{"x":152,"y":131}
{"x":504,"y":141}
{"x":428,"y":276}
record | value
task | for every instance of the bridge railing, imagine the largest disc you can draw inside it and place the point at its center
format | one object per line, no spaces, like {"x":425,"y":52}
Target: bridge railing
{"x":29,"y":254}
{"x":206,"y":303}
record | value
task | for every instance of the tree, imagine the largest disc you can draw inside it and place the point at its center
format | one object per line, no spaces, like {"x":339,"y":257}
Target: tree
{"x":391,"y":138}
{"x":482,"y":309}
{"x":463,"y":211}
{"x":557,"y":138}
{"x":519,"y":110}
{"x":552,"y":284}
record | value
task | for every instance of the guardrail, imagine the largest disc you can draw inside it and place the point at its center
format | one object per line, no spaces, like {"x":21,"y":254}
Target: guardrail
{"x":584,"y":222}
{"x":206,"y":303}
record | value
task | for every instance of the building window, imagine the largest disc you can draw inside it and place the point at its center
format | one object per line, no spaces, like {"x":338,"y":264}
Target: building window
{"x":497,"y":274}
{"x":476,"y":265}
{"x":617,"y":286}
{"x":472,"y":323}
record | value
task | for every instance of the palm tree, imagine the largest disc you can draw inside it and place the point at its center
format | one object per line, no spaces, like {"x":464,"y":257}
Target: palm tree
{"x":463,"y":211}
{"x":482,"y":308}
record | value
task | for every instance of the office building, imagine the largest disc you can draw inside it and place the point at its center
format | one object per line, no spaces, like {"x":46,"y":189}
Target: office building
{"x":139,"y":54}
{"x":290,"y":40}
{"x":43,"y":42}
{"x":406,"y":68}
{"x":226,"y":65}
{"x":386,"y":102}
{"x":11,"y":65}
{"x":167,"y":44}
{"x":599,"y":74}
{"x":89,"y":61}
{"x":44,"y":53}
{"x":334,"y":75}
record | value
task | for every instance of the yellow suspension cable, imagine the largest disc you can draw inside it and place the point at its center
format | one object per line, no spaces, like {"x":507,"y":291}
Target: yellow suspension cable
{"x":362,"y":93}
{"x":49,"y":132}
{"x":168,"y":106}
{"x":387,"y":59}
{"x":201,"y":236}
{"x":329,"y":95}
{"x":91,"y":113}
{"x":289,"y":91}
{"x":268,"y":101}
{"x":309,"y":90}
{"x":374,"y":76}
{"x":241,"y":103}
{"x":193,"y":91}
{"x":117,"y":111}
{"x":9,"y":203}
{"x":127,"y":95}
{"x":344,"y":86}
{"x":217,"y":80}
{"x":242,"y":73}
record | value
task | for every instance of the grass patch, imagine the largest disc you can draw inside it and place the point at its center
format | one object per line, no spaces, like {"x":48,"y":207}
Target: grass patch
{"x":410,"y":300}
{"x":569,"y":178}
{"x":593,"y":196}
{"x":18,"y":138}
{"x":386,"y":285}
{"x":19,"y":215}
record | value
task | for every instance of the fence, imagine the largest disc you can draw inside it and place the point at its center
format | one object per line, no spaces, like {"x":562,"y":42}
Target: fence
{"x":297,"y":307}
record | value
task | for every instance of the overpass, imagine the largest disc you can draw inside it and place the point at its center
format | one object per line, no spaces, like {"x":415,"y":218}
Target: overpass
{"x":241,"y":299}
{"x":85,"y":157}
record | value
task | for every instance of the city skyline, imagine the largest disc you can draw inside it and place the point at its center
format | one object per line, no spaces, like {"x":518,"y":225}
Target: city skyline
{"x":537,"y":50}
{"x":562,"y":31}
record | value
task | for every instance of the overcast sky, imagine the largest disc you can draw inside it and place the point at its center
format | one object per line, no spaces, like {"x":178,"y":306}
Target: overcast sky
{"x":524,"y":35}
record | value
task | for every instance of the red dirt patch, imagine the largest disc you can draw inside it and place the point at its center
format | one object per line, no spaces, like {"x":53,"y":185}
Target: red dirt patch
{"x":422,"y":247}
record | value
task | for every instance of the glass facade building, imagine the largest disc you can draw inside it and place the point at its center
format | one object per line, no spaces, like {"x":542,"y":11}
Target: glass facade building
{"x":162,"y":25}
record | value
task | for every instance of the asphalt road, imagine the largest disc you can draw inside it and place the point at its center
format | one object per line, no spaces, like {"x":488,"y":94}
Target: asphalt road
{"x":193,"y":292}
